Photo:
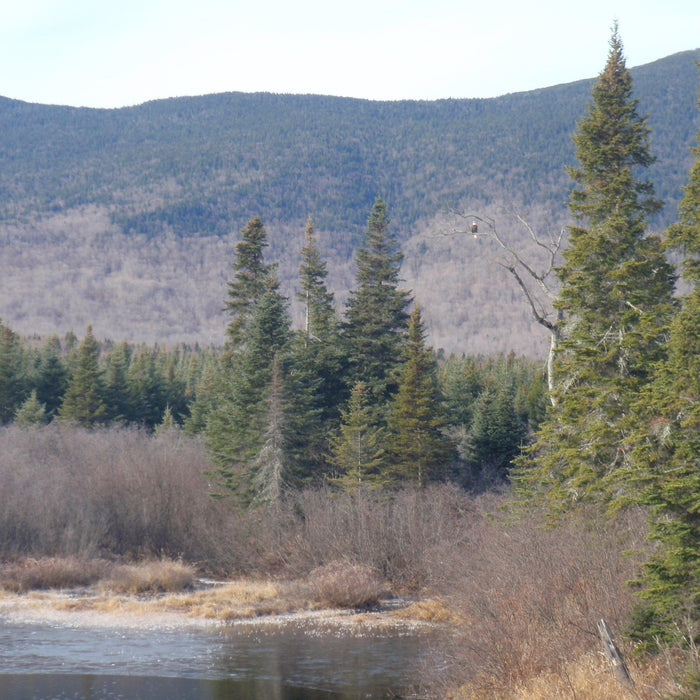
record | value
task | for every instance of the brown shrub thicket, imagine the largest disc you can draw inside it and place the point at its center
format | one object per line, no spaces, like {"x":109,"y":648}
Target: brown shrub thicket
{"x":24,"y":575}
{"x":344,"y":585}
{"x":116,"y":492}
{"x":405,"y":535}
{"x":528,"y":597}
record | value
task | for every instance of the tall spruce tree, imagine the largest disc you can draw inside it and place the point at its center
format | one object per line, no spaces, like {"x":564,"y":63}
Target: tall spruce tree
{"x":84,"y":400}
{"x":616,"y":296}
{"x":316,"y":370}
{"x":249,"y":281}
{"x":666,"y":458}
{"x":319,"y":313}
{"x":235,"y":427}
{"x":376,"y":314}
{"x":12,"y":379}
{"x":418,"y":447}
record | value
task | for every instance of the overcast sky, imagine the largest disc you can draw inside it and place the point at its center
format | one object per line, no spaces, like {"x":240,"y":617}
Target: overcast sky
{"x":111,"y":53}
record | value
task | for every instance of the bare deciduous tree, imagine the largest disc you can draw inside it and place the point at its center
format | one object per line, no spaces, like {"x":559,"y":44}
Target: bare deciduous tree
{"x":535,"y":278}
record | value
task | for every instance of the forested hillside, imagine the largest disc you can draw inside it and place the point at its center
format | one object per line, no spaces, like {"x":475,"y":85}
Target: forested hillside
{"x":600,"y":443}
{"x":127,"y":218}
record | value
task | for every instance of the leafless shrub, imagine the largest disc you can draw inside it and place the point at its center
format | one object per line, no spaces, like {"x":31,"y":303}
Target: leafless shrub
{"x":159,"y":576}
{"x":345,"y":585}
{"x":110,"y":493}
{"x":52,"y":572}
{"x":529,"y":596}
{"x":405,"y":535}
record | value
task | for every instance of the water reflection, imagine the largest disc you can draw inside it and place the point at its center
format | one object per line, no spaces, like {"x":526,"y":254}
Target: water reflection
{"x":90,"y":687}
{"x":287,"y":662}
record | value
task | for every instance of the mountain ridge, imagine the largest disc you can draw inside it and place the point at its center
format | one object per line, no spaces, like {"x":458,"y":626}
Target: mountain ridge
{"x":83,"y":190}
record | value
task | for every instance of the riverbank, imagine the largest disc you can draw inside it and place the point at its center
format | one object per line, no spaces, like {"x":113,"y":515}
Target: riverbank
{"x":277,"y":604}
{"x":211,"y":603}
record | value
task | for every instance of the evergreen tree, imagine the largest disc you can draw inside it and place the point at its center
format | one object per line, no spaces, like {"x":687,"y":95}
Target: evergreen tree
{"x":616,"y":296}
{"x":168,"y":425}
{"x":249,"y":282}
{"x":419,"y":450}
{"x":270,"y":465}
{"x":31,"y":413}
{"x":235,"y":427}
{"x":376,"y":316}
{"x":84,"y":401}
{"x":461,"y":383}
{"x":666,"y":458}
{"x":117,"y":398}
{"x":145,"y":389}
{"x":51,"y":377}
{"x":496,"y":434}
{"x":319,"y":317}
{"x":315,"y":376}
{"x":358,"y":451}
{"x":206,"y":392}
{"x":12,"y":379}
{"x":171,"y":369}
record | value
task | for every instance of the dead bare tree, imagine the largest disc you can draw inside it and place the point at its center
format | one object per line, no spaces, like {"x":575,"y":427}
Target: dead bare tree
{"x":534,"y":279}
{"x":615,"y":659}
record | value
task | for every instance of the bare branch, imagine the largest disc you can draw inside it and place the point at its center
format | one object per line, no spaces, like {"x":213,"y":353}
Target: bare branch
{"x":522,"y":270}
{"x":538,"y":314}
{"x":552,"y":246}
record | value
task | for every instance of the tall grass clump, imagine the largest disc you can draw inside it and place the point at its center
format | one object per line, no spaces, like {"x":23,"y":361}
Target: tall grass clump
{"x":341,"y":584}
{"x":157,"y":576}
{"x":25,"y":575}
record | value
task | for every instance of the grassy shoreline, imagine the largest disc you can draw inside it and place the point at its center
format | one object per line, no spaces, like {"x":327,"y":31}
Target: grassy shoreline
{"x":170,"y":594}
{"x":164,"y":588}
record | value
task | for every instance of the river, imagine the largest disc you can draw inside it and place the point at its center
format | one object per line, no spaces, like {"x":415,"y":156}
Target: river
{"x":293,"y":660}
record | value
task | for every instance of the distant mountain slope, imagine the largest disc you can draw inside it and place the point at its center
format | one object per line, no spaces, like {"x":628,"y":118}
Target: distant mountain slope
{"x":165,"y":187}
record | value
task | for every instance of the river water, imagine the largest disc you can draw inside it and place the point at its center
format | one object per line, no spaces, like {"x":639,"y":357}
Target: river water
{"x":291,"y":661}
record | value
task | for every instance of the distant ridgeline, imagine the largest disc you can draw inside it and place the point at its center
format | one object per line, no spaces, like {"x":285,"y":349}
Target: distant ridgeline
{"x":127,"y":218}
{"x":205,"y":165}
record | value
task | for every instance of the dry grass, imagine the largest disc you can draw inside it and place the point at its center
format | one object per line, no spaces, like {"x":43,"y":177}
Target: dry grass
{"x":344,"y":585}
{"x":235,"y":600}
{"x":159,"y":576}
{"x":51,"y":572}
{"x":587,"y":677}
{"x":428,"y":610}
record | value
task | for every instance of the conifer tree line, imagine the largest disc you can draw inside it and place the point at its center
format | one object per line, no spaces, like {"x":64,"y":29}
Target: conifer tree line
{"x":95,"y":383}
{"x":349,"y":400}
{"x":352,"y":400}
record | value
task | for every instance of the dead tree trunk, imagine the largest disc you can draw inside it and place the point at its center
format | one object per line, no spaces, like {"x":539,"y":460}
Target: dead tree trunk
{"x":615,"y":659}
